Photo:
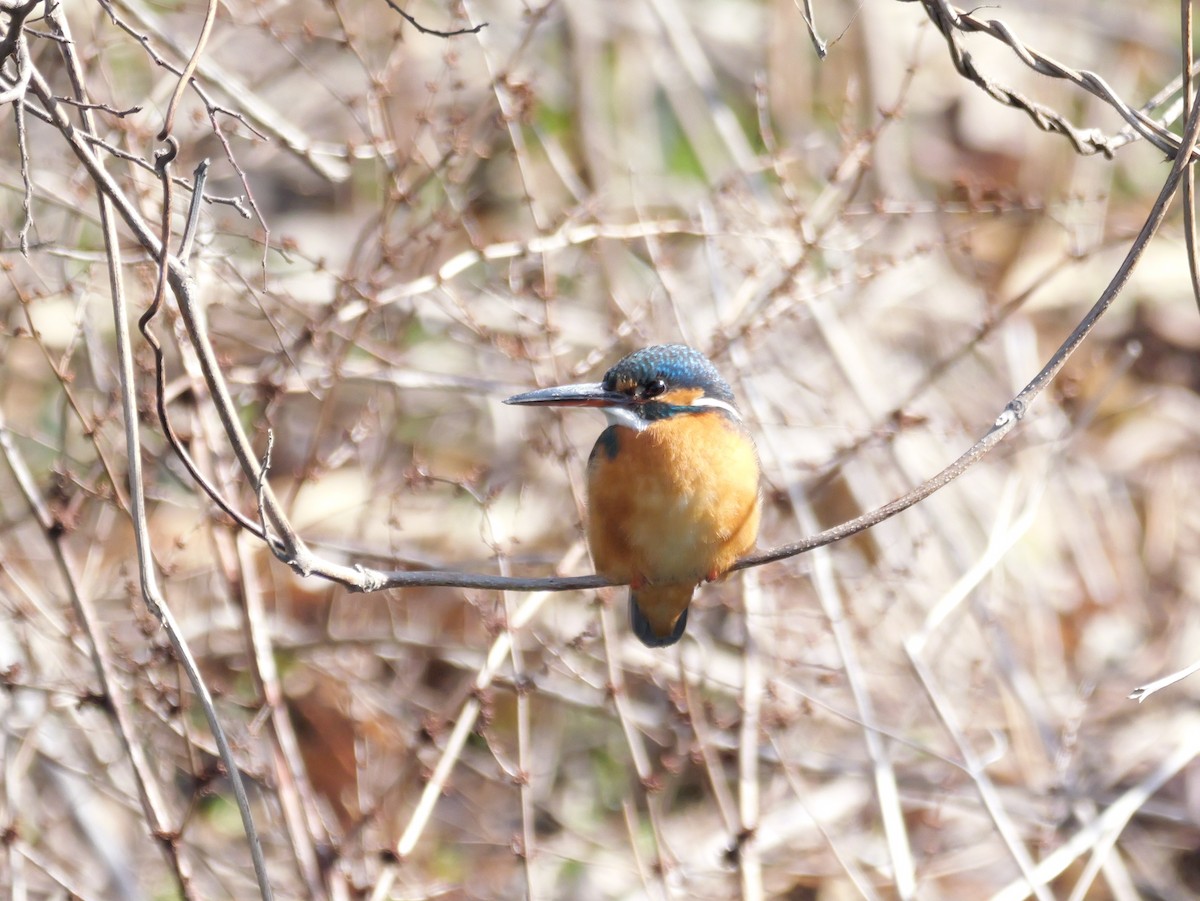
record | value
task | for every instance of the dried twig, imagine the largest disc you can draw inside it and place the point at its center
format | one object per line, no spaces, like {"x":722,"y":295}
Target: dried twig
{"x":1016,"y":409}
{"x":1107,"y":827}
{"x":473,"y":29}
{"x":116,"y":702}
{"x":1189,"y":175}
{"x":463,"y":725}
{"x":13,"y":44}
{"x":950,"y":21}
{"x":810,"y":23}
{"x":210,"y":16}
{"x":749,"y":858}
{"x":150,"y":592}
{"x":255,"y":112}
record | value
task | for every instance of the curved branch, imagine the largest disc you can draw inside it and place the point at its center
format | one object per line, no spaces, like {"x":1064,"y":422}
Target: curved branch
{"x":210,"y":16}
{"x":292,"y":549}
{"x":473,"y":29}
{"x":951,"y":21}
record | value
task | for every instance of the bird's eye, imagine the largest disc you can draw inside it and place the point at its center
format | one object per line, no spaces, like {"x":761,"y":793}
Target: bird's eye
{"x":654,"y":388}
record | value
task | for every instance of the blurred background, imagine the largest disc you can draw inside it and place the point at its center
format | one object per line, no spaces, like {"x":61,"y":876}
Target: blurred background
{"x":876,"y":253}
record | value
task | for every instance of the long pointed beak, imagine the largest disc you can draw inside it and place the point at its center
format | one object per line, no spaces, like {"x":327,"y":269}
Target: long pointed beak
{"x":571,"y":396}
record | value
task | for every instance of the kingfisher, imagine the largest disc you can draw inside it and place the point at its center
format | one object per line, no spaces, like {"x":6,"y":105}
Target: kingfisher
{"x":673,"y":494}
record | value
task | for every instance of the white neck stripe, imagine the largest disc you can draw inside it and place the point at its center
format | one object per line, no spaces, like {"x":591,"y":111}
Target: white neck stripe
{"x":719,"y":404}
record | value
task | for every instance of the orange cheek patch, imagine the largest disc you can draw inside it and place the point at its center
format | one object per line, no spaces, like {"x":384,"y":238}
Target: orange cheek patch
{"x":680,"y":397}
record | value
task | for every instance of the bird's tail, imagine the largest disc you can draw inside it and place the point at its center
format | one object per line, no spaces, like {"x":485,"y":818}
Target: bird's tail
{"x":658,"y":613}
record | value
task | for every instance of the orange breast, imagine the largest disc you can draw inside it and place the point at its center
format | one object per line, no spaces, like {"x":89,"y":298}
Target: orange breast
{"x":674,"y":503}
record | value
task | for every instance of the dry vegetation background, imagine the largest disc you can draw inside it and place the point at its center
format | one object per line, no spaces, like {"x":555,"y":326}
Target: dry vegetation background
{"x":878,"y":255}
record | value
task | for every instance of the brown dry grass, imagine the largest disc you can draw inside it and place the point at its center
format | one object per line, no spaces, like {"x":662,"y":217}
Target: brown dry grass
{"x":876,"y":254}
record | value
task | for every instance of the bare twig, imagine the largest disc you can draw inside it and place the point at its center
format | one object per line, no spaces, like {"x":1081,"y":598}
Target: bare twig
{"x":474,"y":29}
{"x":1189,"y":175}
{"x":886,"y":787}
{"x":151,"y":594}
{"x":463,"y":726}
{"x":118,"y":704}
{"x":154,"y":601}
{"x":199,"y":179}
{"x":13,"y":44}
{"x":238,"y":559}
{"x":1016,"y":409}
{"x":1142,"y":692}
{"x":117,"y":152}
{"x":1102,"y":832}
{"x":27,"y":194}
{"x":102,"y":107}
{"x":258,"y":113}
{"x":210,"y":16}
{"x":810,"y":23}
{"x":1007,"y":531}
{"x":950,"y":21}
{"x":568,"y":236}
{"x":749,"y":858}
{"x":297,"y":800}
{"x":639,"y":755}
{"x":526,"y":767}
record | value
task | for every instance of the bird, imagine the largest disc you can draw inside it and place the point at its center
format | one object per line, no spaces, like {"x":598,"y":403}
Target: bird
{"x":673,"y":496}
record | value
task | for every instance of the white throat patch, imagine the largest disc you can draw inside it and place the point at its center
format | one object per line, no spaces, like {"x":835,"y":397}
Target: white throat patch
{"x":623,"y":416}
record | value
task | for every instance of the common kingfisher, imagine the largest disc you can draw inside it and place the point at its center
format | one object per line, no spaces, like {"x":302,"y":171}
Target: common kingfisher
{"x":672,"y":483}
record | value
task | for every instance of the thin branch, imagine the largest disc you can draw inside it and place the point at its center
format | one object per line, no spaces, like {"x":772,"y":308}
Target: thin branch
{"x":116,"y":703}
{"x":463,"y":726}
{"x":1189,"y":175}
{"x":886,"y":788}
{"x":13,"y":44}
{"x":524,"y":685}
{"x":237,"y":559}
{"x":568,"y":236}
{"x":155,"y":602}
{"x":297,"y":800}
{"x":210,"y":16}
{"x":117,"y":152}
{"x":109,"y":192}
{"x":950,"y":21}
{"x":1006,"y":531}
{"x":474,"y":29}
{"x":103,"y":107}
{"x":1106,"y":828}
{"x":1142,"y":692}
{"x":749,"y":857}
{"x":810,"y":24}
{"x":1016,"y":409}
{"x":987,"y":790}
{"x":360,"y":578}
{"x":199,"y":179}
{"x":259,"y":116}
{"x":648,"y":783}
{"x":26,"y":178}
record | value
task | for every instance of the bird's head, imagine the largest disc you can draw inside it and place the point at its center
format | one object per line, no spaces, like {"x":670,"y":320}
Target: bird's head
{"x":649,"y":385}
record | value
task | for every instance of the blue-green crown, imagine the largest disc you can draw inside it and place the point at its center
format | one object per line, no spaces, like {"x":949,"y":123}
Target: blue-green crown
{"x":678,"y":365}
